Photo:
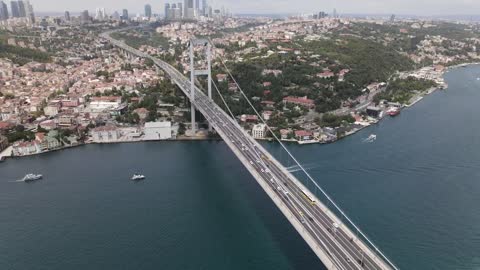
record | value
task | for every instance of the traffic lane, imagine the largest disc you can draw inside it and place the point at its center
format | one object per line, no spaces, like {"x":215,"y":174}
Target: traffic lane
{"x":345,"y":256}
{"x":262,"y":170}
{"x":253,"y":158}
{"x":245,"y":143}
{"x":327,"y":222}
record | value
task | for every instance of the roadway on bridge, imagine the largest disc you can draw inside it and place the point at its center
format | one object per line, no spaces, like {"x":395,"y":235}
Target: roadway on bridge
{"x":342,"y":248}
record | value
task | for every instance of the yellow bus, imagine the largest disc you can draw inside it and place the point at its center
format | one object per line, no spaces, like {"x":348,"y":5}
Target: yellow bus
{"x":308,"y":196}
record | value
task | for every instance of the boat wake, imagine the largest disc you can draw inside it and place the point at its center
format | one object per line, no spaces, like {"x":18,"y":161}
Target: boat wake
{"x":296,"y":168}
{"x":16,"y":181}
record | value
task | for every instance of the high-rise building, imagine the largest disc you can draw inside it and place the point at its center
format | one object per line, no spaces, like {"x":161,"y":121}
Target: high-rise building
{"x":116,"y":16}
{"x":197,"y":8}
{"x":204,"y":8}
{"x":392,"y":18}
{"x":14,"y":8}
{"x":125,"y":15}
{"x":180,"y":7}
{"x":148,"y":11}
{"x":29,"y":11}
{"x":334,"y":13}
{"x":22,"y":9}
{"x":67,"y":16}
{"x":100,"y":14}
{"x":3,"y":11}
{"x":84,"y":17}
{"x":188,"y":9}
{"x":167,"y":11}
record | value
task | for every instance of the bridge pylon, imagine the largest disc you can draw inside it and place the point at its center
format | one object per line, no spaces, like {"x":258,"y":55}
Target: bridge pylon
{"x":200,"y":46}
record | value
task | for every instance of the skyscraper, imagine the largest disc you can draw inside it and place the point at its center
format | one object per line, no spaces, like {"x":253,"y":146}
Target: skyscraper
{"x":29,"y":11}
{"x":180,"y":7}
{"x":3,"y":11}
{"x":84,"y":17}
{"x":334,"y":13}
{"x":167,"y":12}
{"x":125,"y":14}
{"x":197,"y":8}
{"x":188,"y":9}
{"x":100,"y":14}
{"x":67,"y":16}
{"x":22,"y":9}
{"x":15,"y":10}
{"x":148,"y":11}
{"x":116,"y":16}
{"x":204,"y":8}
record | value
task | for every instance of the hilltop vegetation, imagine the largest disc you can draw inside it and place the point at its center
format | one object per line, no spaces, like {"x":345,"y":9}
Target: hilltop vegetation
{"x":20,"y":55}
{"x":402,"y":90}
{"x":367,"y":61}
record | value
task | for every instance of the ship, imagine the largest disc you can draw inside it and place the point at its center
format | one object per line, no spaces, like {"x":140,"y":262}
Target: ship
{"x":32,"y":177}
{"x":136,"y":177}
{"x":394,"y":112}
{"x":370,"y":138}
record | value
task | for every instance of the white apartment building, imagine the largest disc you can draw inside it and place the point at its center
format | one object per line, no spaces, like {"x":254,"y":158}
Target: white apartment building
{"x":259,"y":131}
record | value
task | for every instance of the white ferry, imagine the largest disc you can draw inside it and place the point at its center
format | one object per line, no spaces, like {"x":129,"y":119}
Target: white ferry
{"x":32,"y":177}
{"x":138,"y":177}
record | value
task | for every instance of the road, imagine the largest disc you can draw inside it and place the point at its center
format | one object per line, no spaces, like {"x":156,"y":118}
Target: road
{"x":339,"y":247}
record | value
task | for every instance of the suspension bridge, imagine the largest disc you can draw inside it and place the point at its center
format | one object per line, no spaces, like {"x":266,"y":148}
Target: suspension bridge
{"x":333,"y":237}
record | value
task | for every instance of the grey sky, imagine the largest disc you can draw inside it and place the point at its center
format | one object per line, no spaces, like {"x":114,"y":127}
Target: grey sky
{"x":417,"y":7}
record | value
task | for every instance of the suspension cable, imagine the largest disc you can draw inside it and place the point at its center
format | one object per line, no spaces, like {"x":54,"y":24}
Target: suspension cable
{"x":300,"y":165}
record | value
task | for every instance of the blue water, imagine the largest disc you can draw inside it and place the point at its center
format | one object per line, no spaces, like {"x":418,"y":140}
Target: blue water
{"x":415,"y":191}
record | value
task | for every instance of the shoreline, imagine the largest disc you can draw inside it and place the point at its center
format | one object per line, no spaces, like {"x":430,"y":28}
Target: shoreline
{"x":421,"y":96}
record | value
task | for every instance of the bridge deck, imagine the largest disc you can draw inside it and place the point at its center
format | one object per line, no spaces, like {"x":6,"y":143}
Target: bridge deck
{"x":333,"y":242}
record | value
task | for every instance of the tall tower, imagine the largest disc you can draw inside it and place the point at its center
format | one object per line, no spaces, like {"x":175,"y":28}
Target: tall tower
{"x":167,"y":12}
{"x":188,"y":9}
{"x":204,"y":45}
{"x":204,"y":8}
{"x":67,"y":16}
{"x":29,"y":11}
{"x":22,"y":9}
{"x":3,"y":11}
{"x":125,"y":14}
{"x":14,"y":7}
{"x":148,"y":11}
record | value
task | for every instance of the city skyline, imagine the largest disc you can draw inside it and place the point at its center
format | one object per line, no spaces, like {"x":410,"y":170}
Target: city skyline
{"x":407,"y":7}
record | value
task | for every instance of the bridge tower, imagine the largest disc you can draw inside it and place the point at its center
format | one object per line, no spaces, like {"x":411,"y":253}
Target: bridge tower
{"x":201,"y":46}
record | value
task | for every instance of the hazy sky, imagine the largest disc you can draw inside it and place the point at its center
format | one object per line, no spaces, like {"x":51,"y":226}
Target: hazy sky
{"x":416,"y":7}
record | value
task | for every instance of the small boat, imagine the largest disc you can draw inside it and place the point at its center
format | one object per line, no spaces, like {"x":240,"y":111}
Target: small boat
{"x":32,"y":177}
{"x":371,"y":138}
{"x":136,"y":177}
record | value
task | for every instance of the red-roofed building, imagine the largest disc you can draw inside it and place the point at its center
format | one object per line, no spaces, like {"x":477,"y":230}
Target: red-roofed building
{"x":249,"y":118}
{"x":326,"y":75}
{"x":303,"y":135}
{"x":221,"y":77}
{"x":4,"y":126}
{"x":117,"y":99}
{"x":267,"y":115}
{"x":142,"y":113}
{"x":301,"y":101}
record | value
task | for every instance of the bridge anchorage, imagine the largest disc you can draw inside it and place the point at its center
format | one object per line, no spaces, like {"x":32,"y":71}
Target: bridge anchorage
{"x":334,"y":238}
